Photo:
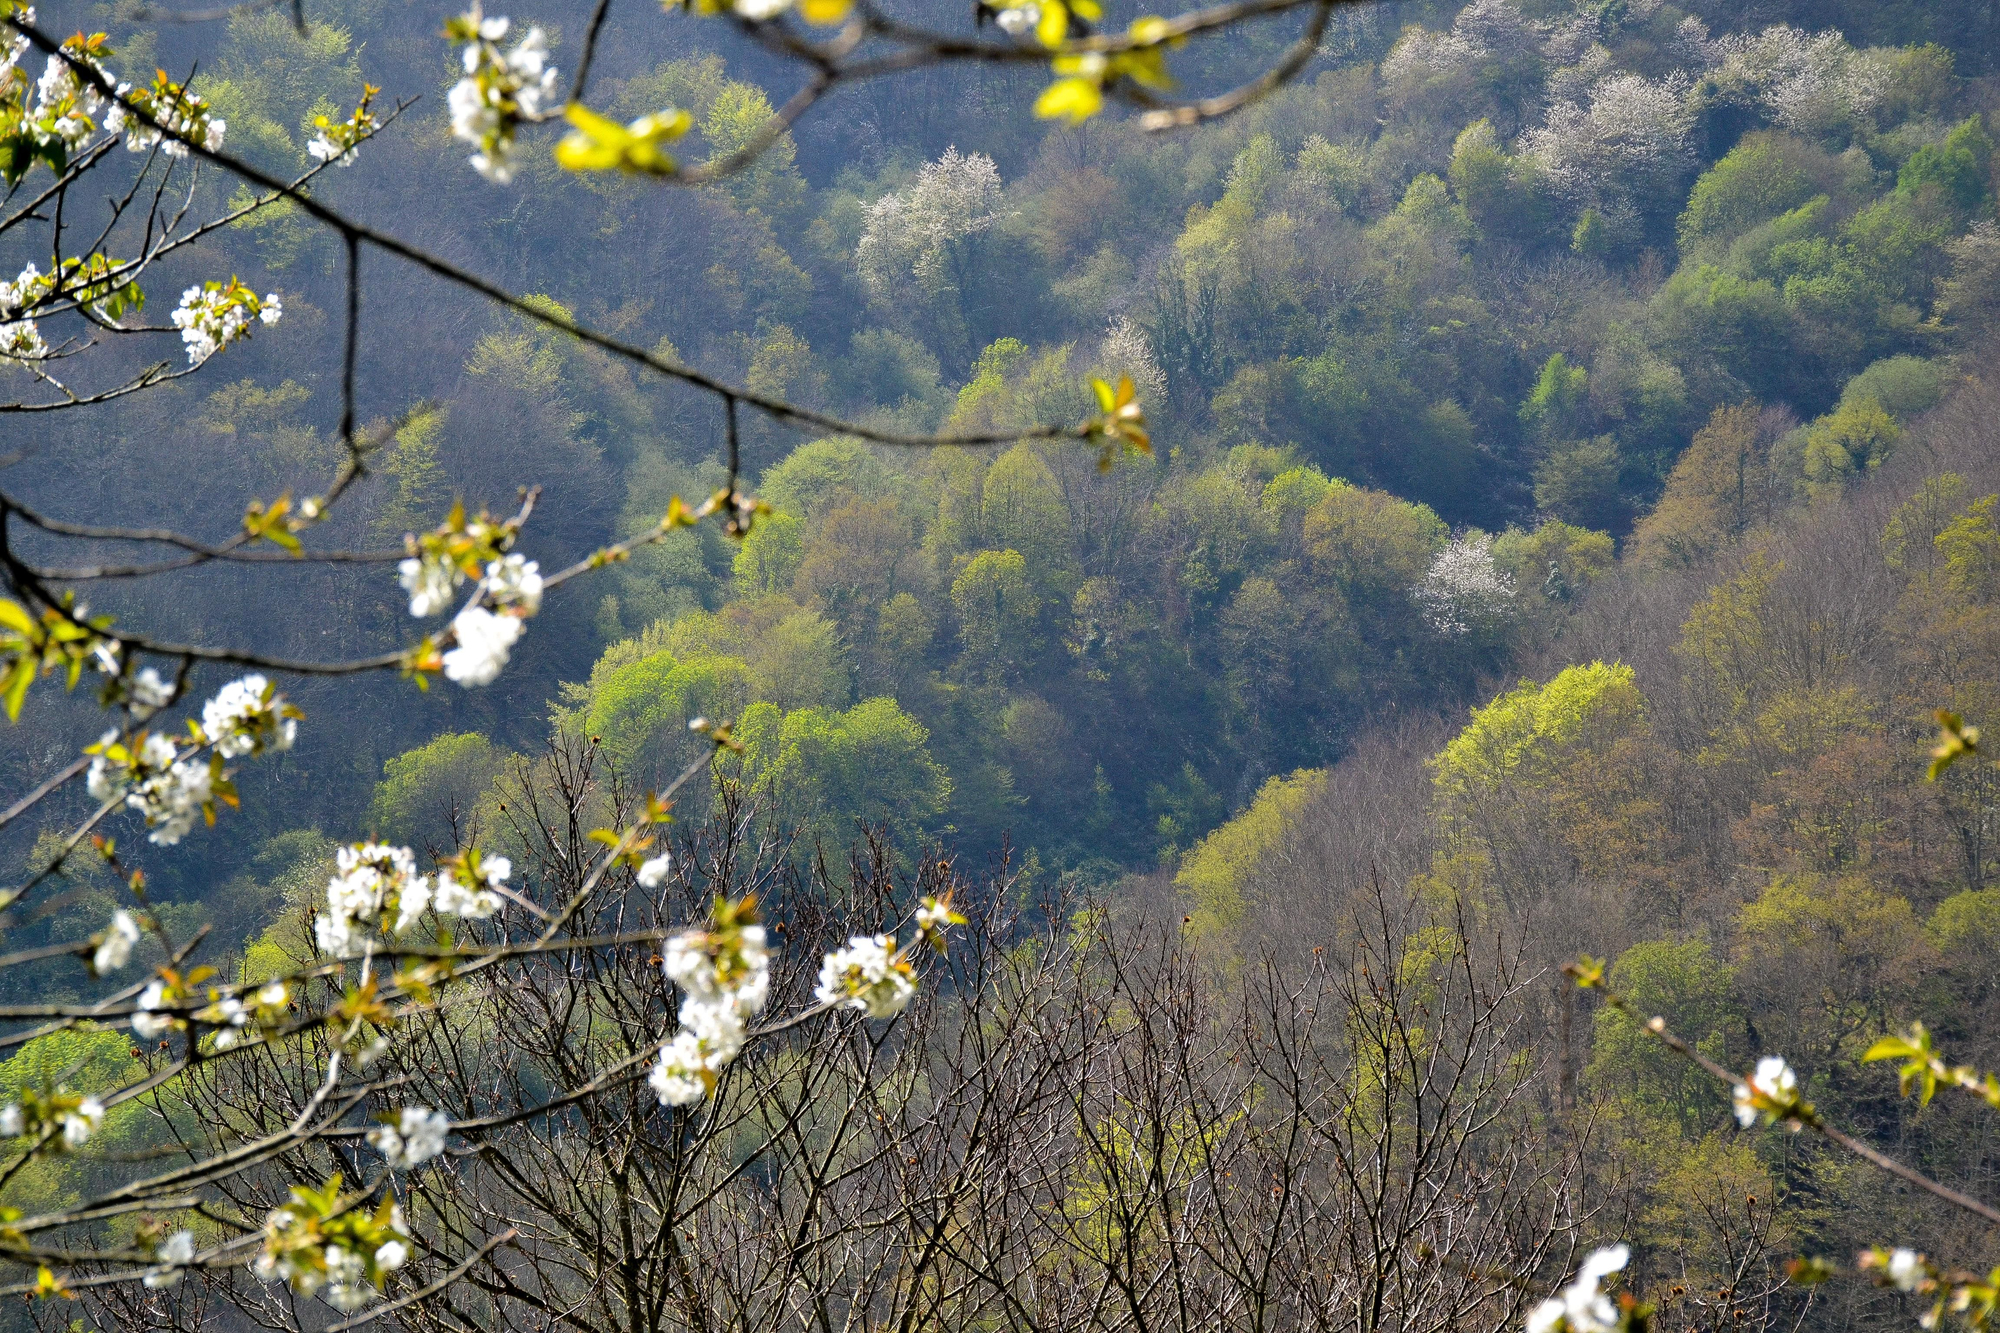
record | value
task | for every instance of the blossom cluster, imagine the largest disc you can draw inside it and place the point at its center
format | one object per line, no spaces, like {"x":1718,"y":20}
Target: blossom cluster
{"x":486,"y":637}
{"x":52,"y":118}
{"x":70,"y":1117}
{"x":499,"y":91}
{"x":21,"y":339}
{"x":338,"y":141}
{"x":170,"y":107}
{"x":95,"y":281}
{"x":377,"y":886}
{"x":1773,"y":1090}
{"x":249,"y":717}
{"x":173,"y":1255}
{"x":62,"y":116}
{"x":240,"y":1024}
{"x":410,"y":1138}
{"x":236,"y":1022}
{"x":871,"y":974}
{"x":510,"y":592}
{"x":144,"y":692}
{"x":912,"y":232}
{"x":246,"y":717}
{"x":321,"y":1247}
{"x":114,"y":945}
{"x":213,"y":315}
{"x":1628,"y":132}
{"x":168,"y":791}
{"x":1582,"y":1306}
{"x":1905,"y":1269}
{"x":726,"y":974}
{"x":1807,"y":82}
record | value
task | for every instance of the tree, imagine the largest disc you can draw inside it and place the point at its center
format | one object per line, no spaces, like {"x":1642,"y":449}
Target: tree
{"x":1718,"y":489}
{"x":833,"y":772}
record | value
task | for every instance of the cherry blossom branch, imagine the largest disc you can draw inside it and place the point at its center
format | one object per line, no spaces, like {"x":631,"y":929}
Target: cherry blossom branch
{"x":1794,"y":1112}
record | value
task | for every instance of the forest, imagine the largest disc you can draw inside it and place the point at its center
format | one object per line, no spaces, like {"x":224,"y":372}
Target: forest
{"x":1567,"y":509}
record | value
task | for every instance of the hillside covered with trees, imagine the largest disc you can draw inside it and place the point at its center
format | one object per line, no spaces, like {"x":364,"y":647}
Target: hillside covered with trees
{"x":1568,"y":494}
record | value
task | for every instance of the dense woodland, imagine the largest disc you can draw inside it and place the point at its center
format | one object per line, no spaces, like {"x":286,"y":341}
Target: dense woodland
{"x":1574,"y":488}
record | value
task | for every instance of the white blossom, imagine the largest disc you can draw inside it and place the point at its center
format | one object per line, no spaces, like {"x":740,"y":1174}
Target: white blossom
{"x":115,"y":949}
{"x":339,"y":143}
{"x":148,"y":1022}
{"x":79,"y":1124}
{"x":499,"y":91}
{"x":1633,"y":138}
{"x":148,"y":693}
{"x":211,"y":316}
{"x":417,"y":1136}
{"x":1773,"y":1082}
{"x":933,"y":915}
{"x":1907,"y":1269}
{"x":324,"y":149}
{"x":347,"y":1284}
{"x":184,"y":116}
{"x":472,"y":900}
{"x":678,"y":1076}
{"x":1808,"y":82}
{"x":12,"y":1123}
{"x":653,"y":872}
{"x":368,"y":877}
{"x":757,"y":11}
{"x":412,"y":903}
{"x":14,"y":45}
{"x":1127,"y":351}
{"x":21,"y":340}
{"x":391,"y":1255}
{"x":514,"y":583}
{"x":168,"y":792}
{"x":726,"y":974}
{"x":248,"y":717}
{"x":1582,"y":1306}
{"x":869,"y":975}
{"x":174,"y":1254}
{"x":1420,"y":53}
{"x":232,"y":1017}
{"x":691,"y":960}
{"x":430,"y":583}
{"x":484,"y":640}
{"x":718,"y":1024}
{"x":1018,"y":19}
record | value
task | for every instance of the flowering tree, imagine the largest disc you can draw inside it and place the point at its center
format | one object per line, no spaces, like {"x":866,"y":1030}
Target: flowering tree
{"x":925,"y":231}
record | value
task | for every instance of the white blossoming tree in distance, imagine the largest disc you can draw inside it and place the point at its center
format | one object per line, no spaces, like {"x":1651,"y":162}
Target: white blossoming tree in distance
{"x":926,"y":231}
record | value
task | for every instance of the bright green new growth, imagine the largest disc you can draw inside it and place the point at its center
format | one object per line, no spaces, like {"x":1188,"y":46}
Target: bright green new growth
{"x":1222,"y":865}
{"x":1531,"y":734}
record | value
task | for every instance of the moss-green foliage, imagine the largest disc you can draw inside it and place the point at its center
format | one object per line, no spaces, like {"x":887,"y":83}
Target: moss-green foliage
{"x":639,"y":711}
{"x":1902,"y":385}
{"x":1220,"y":868}
{"x":88,"y":1060}
{"x":815,"y":476}
{"x":832,"y":773}
{"x":1960,"y":167}
{"x":1685,"y":980}
{"x":444,"y":782}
